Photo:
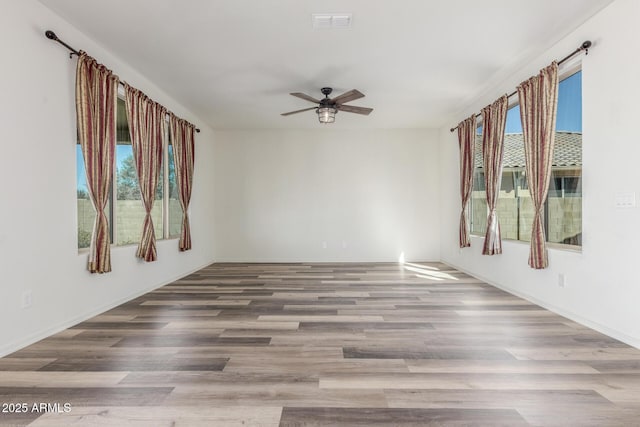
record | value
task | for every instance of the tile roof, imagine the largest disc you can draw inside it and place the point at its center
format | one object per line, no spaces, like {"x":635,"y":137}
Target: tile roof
{"x":567,"y":150}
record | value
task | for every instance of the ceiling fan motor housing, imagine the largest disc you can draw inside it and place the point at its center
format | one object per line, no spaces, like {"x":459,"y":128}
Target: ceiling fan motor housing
{"x":326,"y":91}
{"x":326,"y":101}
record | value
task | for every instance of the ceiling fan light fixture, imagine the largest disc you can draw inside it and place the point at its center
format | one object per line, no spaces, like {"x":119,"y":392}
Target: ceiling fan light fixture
{"x":326,"y":114}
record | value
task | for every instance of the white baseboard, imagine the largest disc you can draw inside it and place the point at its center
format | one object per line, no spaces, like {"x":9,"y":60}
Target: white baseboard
{"x":233,"y":260}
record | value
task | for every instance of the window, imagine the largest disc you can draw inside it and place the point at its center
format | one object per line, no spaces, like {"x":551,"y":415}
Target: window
{"x":125,"y":210}
{"x":563,"y":207}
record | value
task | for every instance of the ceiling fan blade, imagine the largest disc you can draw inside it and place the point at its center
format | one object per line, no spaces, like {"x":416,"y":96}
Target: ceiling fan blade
{"x":297,"y":111}
{"x":305,"y":97}
{"x":348,"y":96}
{"x":354,"y":109}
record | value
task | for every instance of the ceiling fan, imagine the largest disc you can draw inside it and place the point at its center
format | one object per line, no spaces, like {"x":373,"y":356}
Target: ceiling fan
{"x":327,"y":107}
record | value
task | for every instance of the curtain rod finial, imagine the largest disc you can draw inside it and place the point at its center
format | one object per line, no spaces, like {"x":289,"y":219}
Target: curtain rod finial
{"x":586,"y":44}
{"x":51,"y":35}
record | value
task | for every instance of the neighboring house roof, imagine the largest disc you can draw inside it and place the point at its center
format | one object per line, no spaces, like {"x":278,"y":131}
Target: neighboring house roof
{"x":567,"y":150}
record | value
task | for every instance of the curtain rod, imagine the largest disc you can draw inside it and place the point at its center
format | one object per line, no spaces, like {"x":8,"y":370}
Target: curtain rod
{"x":52,"y":36}
{"x":584,"y":46}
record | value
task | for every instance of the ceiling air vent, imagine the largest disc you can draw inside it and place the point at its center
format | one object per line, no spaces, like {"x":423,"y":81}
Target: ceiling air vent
{"x":341,"y":21}
{"x":331,"y":20}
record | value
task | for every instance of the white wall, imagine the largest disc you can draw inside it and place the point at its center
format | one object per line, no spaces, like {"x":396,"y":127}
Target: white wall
{"x":370,"y":195}
{"x":602,"y":286}
{"x":38,"y":216}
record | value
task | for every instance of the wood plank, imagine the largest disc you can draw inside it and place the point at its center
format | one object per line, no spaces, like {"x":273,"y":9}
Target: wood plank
{"x":437,"y":366}
{"x":61,"y":379}
{"x":283,"y":394}
{"x":127,"y":364}
{"x":399,"y":417}
{"x":206,"y":416}
{"x":421,"y":351}
{"x":87,"y":396}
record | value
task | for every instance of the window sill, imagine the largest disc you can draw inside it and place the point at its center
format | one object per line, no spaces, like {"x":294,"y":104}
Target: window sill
{"x":550,"y":245}
{"x":563,"y":247}
{"x":84,"y":251}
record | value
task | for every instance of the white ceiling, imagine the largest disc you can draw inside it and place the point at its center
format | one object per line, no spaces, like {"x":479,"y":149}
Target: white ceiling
{"x":233,"y":62}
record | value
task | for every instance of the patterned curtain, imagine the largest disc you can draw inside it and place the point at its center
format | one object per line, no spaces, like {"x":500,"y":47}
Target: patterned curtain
{"x":182,"y":139}
{"x":538,"y":105}
{"x":146,"y":126}
{"x":466,"y":140}
{"x":96,"y":103}
{"x":494,"y":118}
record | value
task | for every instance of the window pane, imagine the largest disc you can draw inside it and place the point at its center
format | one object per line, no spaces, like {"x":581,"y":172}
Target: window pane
{"x":175,"y":210}
{"x":525,"y":208}
{"x":85,"y":211}
{"x":130,"y":211}
{"x":569,"y":118}
{"x":564,"y":201}
{"x":565,"y":208}
{"x":507,"y":207}
{"x":514,"y":122}
{"x":515,"y":208}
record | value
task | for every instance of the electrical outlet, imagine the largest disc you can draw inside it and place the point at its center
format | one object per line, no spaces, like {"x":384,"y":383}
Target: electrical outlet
{"x":27,"y":299}
{"x":344,"y":244}
{"x":561,"y":280}
{"x":324,"y":245}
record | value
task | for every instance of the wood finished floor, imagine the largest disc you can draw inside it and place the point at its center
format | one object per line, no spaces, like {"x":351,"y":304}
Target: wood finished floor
{"x":326,"y":345}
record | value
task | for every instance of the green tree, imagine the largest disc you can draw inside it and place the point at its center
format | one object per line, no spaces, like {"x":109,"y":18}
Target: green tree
{"x":84,"y":238}
{"x":83,"y":194}
{"x":128,"y":188}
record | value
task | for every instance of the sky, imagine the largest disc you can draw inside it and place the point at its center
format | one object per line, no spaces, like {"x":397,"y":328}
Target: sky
{"x":569,"y":115}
